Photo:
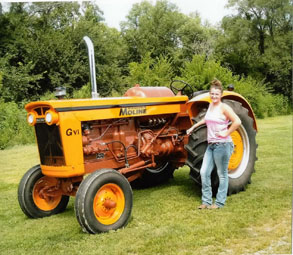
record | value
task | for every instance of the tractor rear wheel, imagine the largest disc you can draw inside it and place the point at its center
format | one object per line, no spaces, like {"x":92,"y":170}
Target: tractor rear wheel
{"x":103,"y":201}
{"x":241,"y":164}
{"x":32,"y":197}
{"x":153,"y":176}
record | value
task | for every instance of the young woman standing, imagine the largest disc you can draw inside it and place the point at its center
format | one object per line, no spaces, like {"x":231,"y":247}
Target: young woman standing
{"x":220,"y":146}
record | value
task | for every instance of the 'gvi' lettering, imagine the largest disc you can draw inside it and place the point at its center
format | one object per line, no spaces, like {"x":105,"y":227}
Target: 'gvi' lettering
{"x":70,"y":132}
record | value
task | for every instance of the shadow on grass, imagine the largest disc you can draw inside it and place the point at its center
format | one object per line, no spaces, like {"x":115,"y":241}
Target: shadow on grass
{"x":180,"y":181}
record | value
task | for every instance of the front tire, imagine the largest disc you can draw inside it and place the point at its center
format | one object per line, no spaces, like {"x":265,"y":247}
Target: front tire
{"x":32,"y":199}
{"x":103,"y":202}
{"x":241,"y":164}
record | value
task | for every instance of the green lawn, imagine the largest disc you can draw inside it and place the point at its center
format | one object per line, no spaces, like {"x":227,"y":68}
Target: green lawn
{"x":165,"y":219}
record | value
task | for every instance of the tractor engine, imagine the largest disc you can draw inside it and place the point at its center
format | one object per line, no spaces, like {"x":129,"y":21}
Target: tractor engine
{"x":128,"y":141}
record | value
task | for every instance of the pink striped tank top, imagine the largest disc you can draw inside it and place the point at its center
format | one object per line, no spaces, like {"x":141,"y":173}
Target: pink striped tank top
{"x":216,"y":121}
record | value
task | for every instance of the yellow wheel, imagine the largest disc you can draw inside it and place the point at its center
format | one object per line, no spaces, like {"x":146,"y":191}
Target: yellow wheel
{"x":103,"y":201}
{"x":41,"y":200}
{"x":237,"y":154}
{"x":35,"y":195}
{"x":109,"y":203}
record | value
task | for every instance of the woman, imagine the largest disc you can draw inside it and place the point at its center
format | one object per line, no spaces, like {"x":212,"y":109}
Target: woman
{"x":220,"y":146}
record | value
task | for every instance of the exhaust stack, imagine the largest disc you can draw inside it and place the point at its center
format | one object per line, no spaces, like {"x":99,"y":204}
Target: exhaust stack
{"x":91,"y":53}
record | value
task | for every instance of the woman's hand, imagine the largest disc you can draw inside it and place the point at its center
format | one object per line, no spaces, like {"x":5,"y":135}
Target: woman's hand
{"x":189,"y":131}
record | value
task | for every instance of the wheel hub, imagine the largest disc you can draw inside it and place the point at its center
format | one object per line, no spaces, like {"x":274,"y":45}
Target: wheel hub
{"x":42,"y":199}
{"x":109,"y":203}
{"x":237,"y":154}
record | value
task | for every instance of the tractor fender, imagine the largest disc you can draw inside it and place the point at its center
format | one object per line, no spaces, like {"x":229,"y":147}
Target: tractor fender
{"x":202,"y":100}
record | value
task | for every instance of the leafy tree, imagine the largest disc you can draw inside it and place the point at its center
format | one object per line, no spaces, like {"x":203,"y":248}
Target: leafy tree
{"x":152,"y":29}
{"x":42,"y":48}
{"x":257,"y":41}
{"x":150,"y":72}
{"x":162,"y":30}
{"x":196,"y":39}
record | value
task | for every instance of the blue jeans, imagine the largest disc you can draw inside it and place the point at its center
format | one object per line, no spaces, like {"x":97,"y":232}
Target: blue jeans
{"x":216,"y":154}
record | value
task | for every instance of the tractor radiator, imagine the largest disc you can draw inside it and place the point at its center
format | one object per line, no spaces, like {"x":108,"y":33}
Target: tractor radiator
{"x":49,"y":144}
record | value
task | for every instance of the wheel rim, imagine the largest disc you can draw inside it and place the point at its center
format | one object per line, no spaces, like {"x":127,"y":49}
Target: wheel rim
{"x":240,"y":156}
{"x":42,"y":200}
{"x":109,"y":203}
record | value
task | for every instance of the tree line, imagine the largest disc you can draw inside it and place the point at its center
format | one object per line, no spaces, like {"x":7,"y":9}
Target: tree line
{"x":41,"y":48}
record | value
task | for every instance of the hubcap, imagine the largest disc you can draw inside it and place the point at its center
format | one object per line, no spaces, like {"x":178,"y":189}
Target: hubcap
{"x":42,"y":200}
{"x":237,"y":154}
{"x":109,"y":203}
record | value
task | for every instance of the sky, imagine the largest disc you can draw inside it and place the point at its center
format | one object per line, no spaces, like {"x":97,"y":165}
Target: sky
{"x":116,"y":11}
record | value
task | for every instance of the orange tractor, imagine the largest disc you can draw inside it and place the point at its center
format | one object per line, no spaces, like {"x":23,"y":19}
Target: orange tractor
{"x":94,"y":148}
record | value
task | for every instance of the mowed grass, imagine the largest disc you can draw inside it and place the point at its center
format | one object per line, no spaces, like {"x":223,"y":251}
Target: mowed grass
{"x":165,"y":219}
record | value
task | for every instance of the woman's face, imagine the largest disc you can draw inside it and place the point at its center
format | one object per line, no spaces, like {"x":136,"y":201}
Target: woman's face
{"x":215,"y":95}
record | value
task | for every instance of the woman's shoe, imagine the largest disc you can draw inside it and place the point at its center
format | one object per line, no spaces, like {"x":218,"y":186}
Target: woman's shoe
{"x":203,"y":206}
{"x":212,"y":207}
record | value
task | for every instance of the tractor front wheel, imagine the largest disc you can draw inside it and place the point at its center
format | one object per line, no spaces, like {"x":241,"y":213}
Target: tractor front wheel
{"x":32,"y":196}
{"x":103,"y":201}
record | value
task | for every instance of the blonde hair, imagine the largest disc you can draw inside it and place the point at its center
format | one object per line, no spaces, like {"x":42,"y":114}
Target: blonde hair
{"x":216,"y":84}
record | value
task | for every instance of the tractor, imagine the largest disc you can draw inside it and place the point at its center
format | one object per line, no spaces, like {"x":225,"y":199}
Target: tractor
{"x":94,"y":149}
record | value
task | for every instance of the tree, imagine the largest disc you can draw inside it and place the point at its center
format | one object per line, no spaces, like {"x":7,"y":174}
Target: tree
{"x":150,"y":72}
{"x":257,"y":41}
{"x":42,"y":48}
{"x":152,"y":29}
{"x":196,"y":39}
{"x":162,"y":30}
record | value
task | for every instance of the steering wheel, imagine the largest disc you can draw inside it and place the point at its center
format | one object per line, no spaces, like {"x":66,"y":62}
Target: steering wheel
{"x":175,"y":90}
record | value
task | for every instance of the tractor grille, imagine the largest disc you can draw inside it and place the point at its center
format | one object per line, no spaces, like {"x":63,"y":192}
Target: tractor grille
{"x":50,"y":146}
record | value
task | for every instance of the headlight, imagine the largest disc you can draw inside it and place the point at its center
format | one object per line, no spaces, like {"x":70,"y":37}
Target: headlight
{"x":48,"y":117}
{"x":31,"y":118}
{"x":51,"y":117}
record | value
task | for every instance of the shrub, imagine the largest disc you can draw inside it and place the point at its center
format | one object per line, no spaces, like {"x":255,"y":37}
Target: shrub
{"x":83,"y":92}
{"x":13,"y":125}
{"x":199,"y":72}
{"x":150,"y":72}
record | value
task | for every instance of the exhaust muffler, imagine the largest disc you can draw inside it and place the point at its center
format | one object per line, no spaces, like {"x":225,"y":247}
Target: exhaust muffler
{"x":91,"y":53}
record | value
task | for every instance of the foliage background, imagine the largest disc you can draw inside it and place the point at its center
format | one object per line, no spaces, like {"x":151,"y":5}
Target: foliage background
{"x":41,"y":48}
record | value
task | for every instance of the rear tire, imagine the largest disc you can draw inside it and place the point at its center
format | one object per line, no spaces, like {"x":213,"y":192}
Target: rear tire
{"x":32,"y":204}
{"x":155,"y":175}
{"x":103,"y":202}
{"x":241,"y":164}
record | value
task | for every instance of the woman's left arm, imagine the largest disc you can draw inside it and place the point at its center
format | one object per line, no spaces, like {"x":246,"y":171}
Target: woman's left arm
{"x":232,"y":116}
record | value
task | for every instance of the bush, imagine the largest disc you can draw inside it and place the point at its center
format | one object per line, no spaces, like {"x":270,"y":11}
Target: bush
{"x":199,"y":73}
{"x":13,"y":126}
{"x":83,"y":92}
{"x":150,"y":72}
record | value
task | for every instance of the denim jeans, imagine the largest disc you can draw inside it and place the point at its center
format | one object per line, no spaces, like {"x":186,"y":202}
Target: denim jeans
{"x":218,"y":155}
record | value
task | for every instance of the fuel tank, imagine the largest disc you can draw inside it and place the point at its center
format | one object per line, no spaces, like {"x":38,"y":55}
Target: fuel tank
{"x":138,"y":91}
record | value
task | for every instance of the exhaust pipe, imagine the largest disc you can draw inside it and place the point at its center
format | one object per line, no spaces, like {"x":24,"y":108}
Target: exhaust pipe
{"x":91,"y":53}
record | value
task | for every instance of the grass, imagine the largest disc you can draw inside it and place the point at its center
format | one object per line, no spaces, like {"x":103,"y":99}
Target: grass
{"x":165,"y":219}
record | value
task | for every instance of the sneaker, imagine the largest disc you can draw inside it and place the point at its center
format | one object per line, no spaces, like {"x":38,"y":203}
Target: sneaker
{"x":212,"y":207}
{"x":203,"y":206}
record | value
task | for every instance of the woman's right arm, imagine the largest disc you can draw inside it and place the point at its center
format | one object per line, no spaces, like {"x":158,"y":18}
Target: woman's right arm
{"x":201,"y":122}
